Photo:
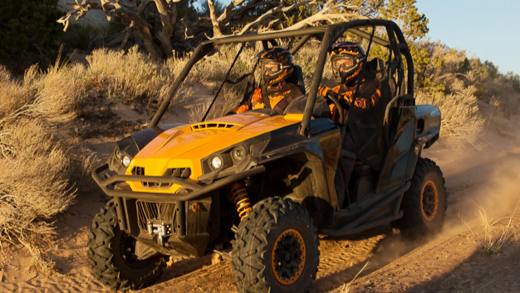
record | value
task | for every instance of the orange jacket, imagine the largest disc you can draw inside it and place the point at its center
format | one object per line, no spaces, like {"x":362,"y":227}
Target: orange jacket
{"x":256,"y":101}
{"x":347,"y":95}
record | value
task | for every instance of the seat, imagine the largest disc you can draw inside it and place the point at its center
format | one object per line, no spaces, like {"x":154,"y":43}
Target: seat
{"x":378,"y":69}
{"x":366,"y":127}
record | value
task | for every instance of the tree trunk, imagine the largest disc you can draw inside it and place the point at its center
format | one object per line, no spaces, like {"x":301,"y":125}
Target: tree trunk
{"x":168,"y":17}
{"x":213,"y":16}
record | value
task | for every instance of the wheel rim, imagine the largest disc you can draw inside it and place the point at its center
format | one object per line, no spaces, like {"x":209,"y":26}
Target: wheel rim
{"x":288,"y":257}
{"x":429,"y":200}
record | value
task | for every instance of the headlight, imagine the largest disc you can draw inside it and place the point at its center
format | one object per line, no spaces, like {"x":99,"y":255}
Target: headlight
{"x":216,"y":162}
{"x":126,"y":160}
{"x":238,"y":154}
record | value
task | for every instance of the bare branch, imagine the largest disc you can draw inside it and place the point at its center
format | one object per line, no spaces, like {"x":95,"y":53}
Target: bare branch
{"x":168,"y":17}
{"x":214,"y":21}
{"x":78,"y":11}
{"x":279,"y":9}
{"x":238,"y":17}
{"x":332,"y":12}
{"x":225,"y":15}
{"x":186,"y":35}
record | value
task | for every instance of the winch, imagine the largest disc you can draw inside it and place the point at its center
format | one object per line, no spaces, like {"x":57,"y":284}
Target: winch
{"x":161,"y":229}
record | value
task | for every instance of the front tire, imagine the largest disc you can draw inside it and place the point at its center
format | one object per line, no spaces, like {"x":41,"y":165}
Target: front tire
{"x":111,"y":254}
{"x":275,"y":248}
{"x":424,"y":204}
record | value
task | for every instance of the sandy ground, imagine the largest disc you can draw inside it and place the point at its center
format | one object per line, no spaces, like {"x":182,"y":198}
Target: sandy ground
{"x":483,"y":174}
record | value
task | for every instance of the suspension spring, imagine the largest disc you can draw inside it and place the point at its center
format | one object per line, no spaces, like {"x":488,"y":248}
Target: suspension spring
{"x":241,"y":200}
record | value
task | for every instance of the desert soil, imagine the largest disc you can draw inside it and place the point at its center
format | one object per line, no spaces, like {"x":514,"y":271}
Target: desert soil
{"x":484,"y":174}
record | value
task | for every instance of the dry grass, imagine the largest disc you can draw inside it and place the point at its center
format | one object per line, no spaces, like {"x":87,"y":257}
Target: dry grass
{"x":461,"y":115}
{"x":34,"y":185}
{"x":61,"y":93}
{"x":464,"y":88}
{"x":13,"y":93}
{"x":347,"y":286}
{"x":41,"y":160}
{"x":492,"y":234}
{"x":129,"y":77}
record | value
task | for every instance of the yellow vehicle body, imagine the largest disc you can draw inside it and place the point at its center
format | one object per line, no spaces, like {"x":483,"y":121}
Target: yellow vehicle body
{"x":186,"y":146}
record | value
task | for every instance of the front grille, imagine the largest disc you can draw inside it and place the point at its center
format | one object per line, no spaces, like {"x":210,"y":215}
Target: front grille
{"x":153,"y":212}
{"x":183,"y":173}
{"x":179,"y":172}
{"x":138,"y":171}
{"x":151,"y":184}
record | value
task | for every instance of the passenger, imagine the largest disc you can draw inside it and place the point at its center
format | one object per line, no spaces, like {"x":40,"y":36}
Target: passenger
{"x":275,"y":91}
{"x":359,"y":90}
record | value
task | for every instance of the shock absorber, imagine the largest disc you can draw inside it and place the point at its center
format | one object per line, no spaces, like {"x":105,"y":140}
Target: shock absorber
{"x":241,"y":200}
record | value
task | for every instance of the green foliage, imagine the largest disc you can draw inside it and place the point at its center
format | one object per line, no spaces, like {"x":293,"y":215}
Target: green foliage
{"x":515,"y":81}
{"x":426,"y":66}
{"x":413,"y":23}
{"x":29,"y":32}
{"x":465,"y":67}
{"x":491,"y":69}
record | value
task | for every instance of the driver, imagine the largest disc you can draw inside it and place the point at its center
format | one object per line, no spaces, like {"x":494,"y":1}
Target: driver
{"x":355,"y":88}
{"x":359,"y":92}
{"x":275,"y":90}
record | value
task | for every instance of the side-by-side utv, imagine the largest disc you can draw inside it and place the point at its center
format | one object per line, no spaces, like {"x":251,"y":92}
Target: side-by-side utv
{"x":263,"y":183}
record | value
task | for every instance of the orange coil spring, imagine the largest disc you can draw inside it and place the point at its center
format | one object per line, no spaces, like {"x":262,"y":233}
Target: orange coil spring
{"x":242,"y":202}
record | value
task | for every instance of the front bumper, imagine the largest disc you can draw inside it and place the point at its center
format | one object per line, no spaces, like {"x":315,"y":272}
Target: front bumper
{"x":185,"y":214}
{"x":108,"y":180}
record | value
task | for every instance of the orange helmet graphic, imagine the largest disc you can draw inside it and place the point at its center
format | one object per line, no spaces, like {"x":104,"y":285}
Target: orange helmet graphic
{"x":347,"y":59}
{"x":275,"y":65}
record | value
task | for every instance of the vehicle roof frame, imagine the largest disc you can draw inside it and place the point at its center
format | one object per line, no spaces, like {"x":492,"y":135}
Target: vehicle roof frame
{"x":329,"y":33}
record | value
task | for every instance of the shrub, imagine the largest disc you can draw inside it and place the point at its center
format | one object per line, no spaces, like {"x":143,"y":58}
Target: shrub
{"x":39,"y":172}
{"x":461,"y":115}
{"x":31,"y":196}
{"x":130,"y":77}
{"x":61,"y":93}
{"x":14,"y":94}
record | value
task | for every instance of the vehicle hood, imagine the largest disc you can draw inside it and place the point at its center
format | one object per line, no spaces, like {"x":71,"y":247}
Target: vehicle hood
{"x":186,"y":146}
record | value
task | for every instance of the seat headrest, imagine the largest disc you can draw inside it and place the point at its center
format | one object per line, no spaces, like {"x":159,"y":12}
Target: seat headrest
{"x":376,"y":65}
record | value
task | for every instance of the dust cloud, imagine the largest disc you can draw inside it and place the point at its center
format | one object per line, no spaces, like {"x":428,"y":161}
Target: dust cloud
{"x":481,"y":176}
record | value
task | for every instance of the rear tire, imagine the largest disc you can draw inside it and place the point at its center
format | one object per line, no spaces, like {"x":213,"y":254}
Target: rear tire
{"x":424,"y":204}
{"x":111,"y":255}
{"x":275,"y":248}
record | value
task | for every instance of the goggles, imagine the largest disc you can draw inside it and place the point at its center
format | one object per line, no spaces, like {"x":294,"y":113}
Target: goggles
{"x":344,"y":63}
{"x":272,"y":68}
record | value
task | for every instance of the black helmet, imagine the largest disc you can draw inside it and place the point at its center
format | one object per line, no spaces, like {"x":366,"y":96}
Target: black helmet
{"x":275,"y":65}
{"x":347,"y":60}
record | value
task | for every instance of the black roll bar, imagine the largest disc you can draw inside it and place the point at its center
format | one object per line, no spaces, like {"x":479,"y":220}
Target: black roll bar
{"x":199,"y":52}
{"x":330,"y":32}
{"x":316,"y":79}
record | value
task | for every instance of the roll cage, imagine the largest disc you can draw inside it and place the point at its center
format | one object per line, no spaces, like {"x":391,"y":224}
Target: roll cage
{"x":395,"y":42}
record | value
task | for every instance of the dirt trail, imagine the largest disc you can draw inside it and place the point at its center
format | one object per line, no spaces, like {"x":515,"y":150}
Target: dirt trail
{"x":450,"y":262}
